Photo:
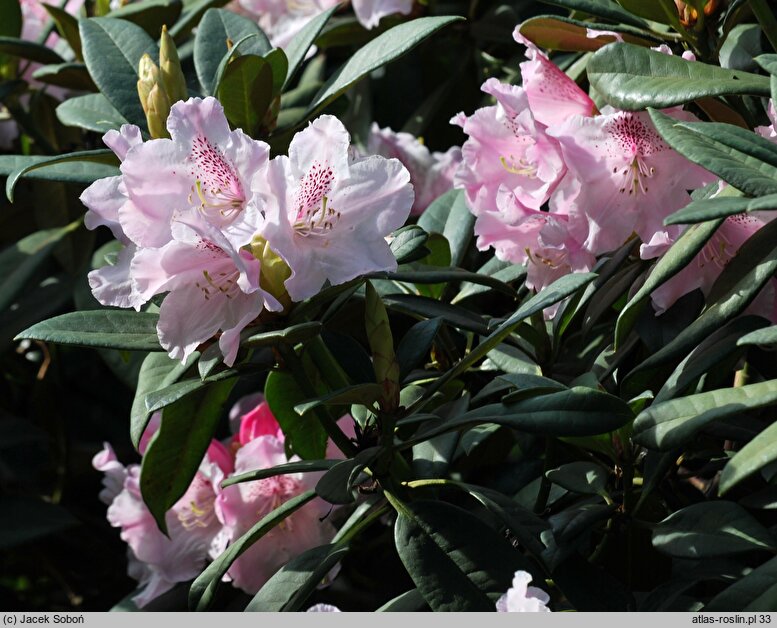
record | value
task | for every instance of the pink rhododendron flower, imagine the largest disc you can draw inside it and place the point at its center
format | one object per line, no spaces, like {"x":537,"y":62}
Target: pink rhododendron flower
{"x":203,"y":169}
{"x":212,"y":286}
{"x":159,"y":562}
{"x":553,"y":96}
{"x":705,"y":268}
{"x":507,"y":151}
{"x":327,"y":214}
{"x":622,"y":176}
{"x":240,"y":506}
{"x":430,"y":173}
{"x":370,"y":12}
{"x":521,"y":598}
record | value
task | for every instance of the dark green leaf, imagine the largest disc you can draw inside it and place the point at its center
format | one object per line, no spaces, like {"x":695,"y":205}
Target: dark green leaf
{"x":219,"y":26}
{"x":302,"y":466}
{"x":109,"y":329}
{"x":70,"y":75}
{"x":416,"y":344}
{"x":449,"y":216}
{"x":758,"y":453}
{"x":606,"y":9}
{"x":245,"y":91}
{"x":720,"y":207}
{"x":92,"y":112}
{"x":150,"y":15}
{"x":633,"y":78}
{"x":407,"y":244}
{"x":673,"y":423}
{"x":337,"y":485}
{"x":297,"y":49}
{"x":756,"y":592}
{"x":560,"y":33}
{"x":28,"y":50}
{"x":175,"y":452}
{"x":67,"y":25}
{"x":580,"y":477}
{"x":291,"y":586}
{"x":112,"y":51}
{"x":364,"y":394}
{"x":710,"y":529}
{"x":457,"y":562}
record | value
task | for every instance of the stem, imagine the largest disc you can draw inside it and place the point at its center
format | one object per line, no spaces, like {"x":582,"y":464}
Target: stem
{"x":766,"y":19}
{"x":297,"y":370}
{"x":542,"y":496}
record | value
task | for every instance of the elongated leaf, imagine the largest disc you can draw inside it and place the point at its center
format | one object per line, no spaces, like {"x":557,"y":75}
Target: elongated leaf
{"x":758,"y":453}
{"x":157,"y":372}
{"x":158,"y":399}
{"x":298,"y":48}
{"x":672,"y":262}
{"x":580,"y":477}
{"x":416,"y":344}
{"x":108,"y":329}
{"x":305,"y":434}
{"x":756,"y":592}
{"x":19,"y":261}
{"x":670,"y":424}
{"x":217,"y":28}
{"x":337,"y":485}
{"x":100,"y":156}
{"x":407,"y":244}
{"x":191,"y":17}
{"x":245,"y":91}
{"x":175,"y":452}
{"x":302,"y":466}
{"x":607,"y":9}
{"x":633,"y":78}
{"x":407,"y":602}
{"x":710,"y":529}
{"x":364,"y":394}
{"x":720,"y":207}
{"x":92,"y":112}
{"x":746,"y":173}
{"x":450,"y":217}
{"x":150,"y":15}
{"x":425,"y":307}
{"x":290,"y":335}
{"x":575,"y":411}
{"x":112,"y":50}
{"x":382,"y":50}
{"x":560,"y":33}
{"x":10,"y":18}
{"x":204,"y":587}
{"x":503,"y":271}
{"x":28,"y":50}
{"x":70,"y":75}
{"x":432,"y":275}
{"x":292,"y":585}
{"x":457,"y":562}
{"x":766,"y":336}
{"x":67,"y":25}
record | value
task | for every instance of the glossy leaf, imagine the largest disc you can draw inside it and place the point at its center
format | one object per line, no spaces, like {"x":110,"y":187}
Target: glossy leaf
{"x":298,"y":47}
{"x":28,"y":50}
{"x":112,"y":50}
{"x":710,"y":529}
{"x":246,"y":90}
{"x":175,"y":452}
{"x":633,"y":78}
{"x":756,"y":592}
{"x":150,"y":15}
{"x":758,"y":453}
{"x":449,"y":216}
{"x":92,"y":112}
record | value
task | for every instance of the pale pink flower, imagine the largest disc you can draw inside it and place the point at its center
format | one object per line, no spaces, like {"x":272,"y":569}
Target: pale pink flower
{"x":203,"y":169}
{"x":622,"y":176}
{"x":705,"y":268}
{"x":370,"y":12}
{"x":212,"y":286}
{"x":521,"y":598}
{"x":111,"y":284}
{"x":240,"y":506}
{"x":430,"y":173}
{"x":553,"y":96}
{"x":282,"y":20}
{"x":327,"y":214}
{"x":157,"y":561}
{"x":507,"y":150}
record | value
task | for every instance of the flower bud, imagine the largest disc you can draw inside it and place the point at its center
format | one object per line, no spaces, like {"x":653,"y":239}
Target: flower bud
{"x":153,"y":97}
{"x":689,"y":16}
{"x":170,"y":69}
{"x":274,"y":270}
{"x":384,"y":360}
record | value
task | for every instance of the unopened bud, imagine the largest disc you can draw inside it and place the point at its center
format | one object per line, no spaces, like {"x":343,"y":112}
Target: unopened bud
{"x":689,"y":15}
{"x":170,"y":69}
{"x":274,"y":270}
{"x":153,"y":98}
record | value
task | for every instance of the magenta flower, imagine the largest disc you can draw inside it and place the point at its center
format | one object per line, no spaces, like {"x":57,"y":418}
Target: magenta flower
{"x":430,"y":173}
{"x":212,"y":286}
{"x":327,"y":214}
{"x":521,"y":598}
{"x":204,"y":168}
{"x":508,"y":151}
{"x":553,"y":96}
{"x":622,"y":176}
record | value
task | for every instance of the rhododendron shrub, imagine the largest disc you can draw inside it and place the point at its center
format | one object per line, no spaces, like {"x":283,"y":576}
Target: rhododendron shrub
{"x":388,"y":305}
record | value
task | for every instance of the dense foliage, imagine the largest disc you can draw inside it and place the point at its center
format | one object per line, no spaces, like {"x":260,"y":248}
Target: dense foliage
{"x":356,"y":368}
